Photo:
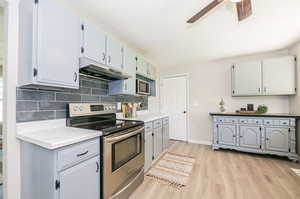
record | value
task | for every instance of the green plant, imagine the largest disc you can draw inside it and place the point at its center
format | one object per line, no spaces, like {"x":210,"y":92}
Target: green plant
{"x":261,"y":109}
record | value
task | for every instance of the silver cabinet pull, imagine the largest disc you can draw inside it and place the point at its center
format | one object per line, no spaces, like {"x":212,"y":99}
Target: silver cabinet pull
{"x":75,"y":77}
{"x":109,"y":59}
{"x":103,"y":56}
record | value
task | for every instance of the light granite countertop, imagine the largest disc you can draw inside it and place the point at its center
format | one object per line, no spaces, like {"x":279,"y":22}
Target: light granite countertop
{"x":53,"y":134}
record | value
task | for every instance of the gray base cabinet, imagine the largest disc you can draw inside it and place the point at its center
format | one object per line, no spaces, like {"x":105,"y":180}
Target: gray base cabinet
{"x":72,"y":172}
{"x":264,"y":135}
{"x":156,"y":140}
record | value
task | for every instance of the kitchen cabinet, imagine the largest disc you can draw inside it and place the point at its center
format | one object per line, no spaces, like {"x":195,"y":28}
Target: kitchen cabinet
{"x":156,"y":140}
{"x":93,"y":43}
{"x":262,"y":77}
{"x":71,"y":172}
{"x":262,"y":135}
{"x":114,"y":51}
{"x":141,"y":67}
{"x":250,"y":136}
{"x":277,"y":139}
{"x":279,"y":76}
{"x":46,"y":56}
{"x":246,"y":78}
{"x":148,"y":145}
{"x":152,"y":72}
{"x":165,"y":132}
{"x":227,"y":134}
{"x":71,"y":180}
{"x":128,"y":86}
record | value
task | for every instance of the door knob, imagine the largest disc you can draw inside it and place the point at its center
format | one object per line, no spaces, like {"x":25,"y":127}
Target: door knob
{"x":184,"y":112}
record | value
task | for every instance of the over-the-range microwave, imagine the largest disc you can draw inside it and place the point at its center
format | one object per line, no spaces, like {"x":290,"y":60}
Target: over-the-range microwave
{"x":142,"y":87}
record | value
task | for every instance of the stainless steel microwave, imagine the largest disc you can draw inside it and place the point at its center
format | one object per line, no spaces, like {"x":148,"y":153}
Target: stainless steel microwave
{"x":142,"y":87}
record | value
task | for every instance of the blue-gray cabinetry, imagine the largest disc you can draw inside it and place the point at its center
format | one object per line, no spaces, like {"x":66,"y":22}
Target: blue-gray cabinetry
{"x":71,"y":172}
{"x":264,"y":135}
{"x":156,"y":140}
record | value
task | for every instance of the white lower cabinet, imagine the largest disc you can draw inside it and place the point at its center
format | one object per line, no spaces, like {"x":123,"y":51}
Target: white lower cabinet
{"x":156,"y":140}
{"x":71,"y":172}
{"x":277,"y":139}
{"x":264,"y":135}
{"x":81,"y":181}
{"x":250,"y":136}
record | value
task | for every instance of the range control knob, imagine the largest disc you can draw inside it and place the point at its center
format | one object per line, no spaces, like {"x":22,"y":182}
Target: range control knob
{"x":75,"y":108}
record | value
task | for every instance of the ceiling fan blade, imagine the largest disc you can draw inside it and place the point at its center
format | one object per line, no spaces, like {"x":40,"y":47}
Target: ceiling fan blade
{"x":205,"y":10}
{"x":244,"y":9}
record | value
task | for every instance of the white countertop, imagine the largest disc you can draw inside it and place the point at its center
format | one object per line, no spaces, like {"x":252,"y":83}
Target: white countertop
{"x":147,"y":117}
{"x":53,"y":134}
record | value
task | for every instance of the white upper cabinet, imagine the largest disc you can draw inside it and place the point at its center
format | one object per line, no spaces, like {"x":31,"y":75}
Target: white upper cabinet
{"x":279,"y":76}
{"x":142,"y":67}
{"x":114,"y":52}
{"x":49,"y":45}
{"x":93,"y":43}
{"x":151,"y":72}
{"x":246,"y":79}
{"x":275,"y":76}
{"x":127,"y":86}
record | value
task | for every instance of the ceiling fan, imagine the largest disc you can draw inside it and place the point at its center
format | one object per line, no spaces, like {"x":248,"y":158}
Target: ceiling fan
{"x":244,"y":9}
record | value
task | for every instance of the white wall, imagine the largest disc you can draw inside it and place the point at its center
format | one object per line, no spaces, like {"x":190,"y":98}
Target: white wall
{"x":209,"y":82}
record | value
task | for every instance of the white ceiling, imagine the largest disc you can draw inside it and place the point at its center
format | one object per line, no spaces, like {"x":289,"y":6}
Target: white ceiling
{"x":159,"y":27}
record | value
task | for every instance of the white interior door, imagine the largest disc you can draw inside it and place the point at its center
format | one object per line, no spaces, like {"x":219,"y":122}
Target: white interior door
{"x":174,"y":103}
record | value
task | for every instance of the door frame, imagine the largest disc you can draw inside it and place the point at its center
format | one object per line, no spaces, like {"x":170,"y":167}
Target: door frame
{"x":187,"y":78}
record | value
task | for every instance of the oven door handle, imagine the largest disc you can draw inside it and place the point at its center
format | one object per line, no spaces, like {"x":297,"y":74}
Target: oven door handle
{"x":122,"y":137}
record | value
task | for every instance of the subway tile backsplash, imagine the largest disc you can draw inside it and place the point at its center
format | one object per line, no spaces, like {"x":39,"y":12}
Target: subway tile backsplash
{"x":35,"y":104}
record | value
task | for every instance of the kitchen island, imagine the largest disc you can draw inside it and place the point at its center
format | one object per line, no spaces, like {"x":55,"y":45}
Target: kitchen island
{"x":273,"y":134}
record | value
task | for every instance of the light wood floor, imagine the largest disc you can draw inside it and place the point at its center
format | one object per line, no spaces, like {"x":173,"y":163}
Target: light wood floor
{"x":228,"y":175}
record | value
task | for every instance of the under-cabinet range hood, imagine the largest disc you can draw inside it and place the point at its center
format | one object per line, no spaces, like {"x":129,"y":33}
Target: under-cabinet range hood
{"x":91,"y":68}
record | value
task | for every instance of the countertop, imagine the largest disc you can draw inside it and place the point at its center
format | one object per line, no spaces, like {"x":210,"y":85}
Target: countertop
{"x":146,"y":117}
{"x":257,"y":115}
{"x":53,"y":134}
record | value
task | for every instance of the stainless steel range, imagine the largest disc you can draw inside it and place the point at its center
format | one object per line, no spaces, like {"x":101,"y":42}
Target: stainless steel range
{"x":122,"y":147}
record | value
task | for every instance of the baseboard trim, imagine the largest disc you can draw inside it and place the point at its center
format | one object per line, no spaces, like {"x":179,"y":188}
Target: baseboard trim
{"x":203,"y":142}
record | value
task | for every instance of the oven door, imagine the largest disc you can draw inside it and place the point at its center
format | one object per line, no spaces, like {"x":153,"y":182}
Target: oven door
{"x":143,"y":87}
{"x":123,"y":156}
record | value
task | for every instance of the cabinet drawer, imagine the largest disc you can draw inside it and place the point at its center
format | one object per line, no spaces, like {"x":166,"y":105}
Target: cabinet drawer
{"x":268,"y":122}
{"x":148,"y":126}
{"x":227,"y":120}
{"x":165,"y":120}
{"x":243,"y":121}
{"x":255,"y":121}
{"x":157,"y":123}
{"x":284,"y":122}
{"x":77,"y":153}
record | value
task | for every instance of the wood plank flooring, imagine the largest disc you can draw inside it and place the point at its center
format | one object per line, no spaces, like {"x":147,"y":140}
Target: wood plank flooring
{"x":228,"y":175}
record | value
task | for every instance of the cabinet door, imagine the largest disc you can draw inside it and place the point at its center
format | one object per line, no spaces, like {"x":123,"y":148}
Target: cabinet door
{"x":57,"y":45}
{"x":165,"y":136}
{"x":279,"y":76}
{"x":81,"y":181}
{"x":277,"y":139}
{"x":114,"y":52}
{"x":94,"y":43}
{"x":227,"y":134}
{"x":246,"y":79}
{"x":250,"y":136}
{"x":141,"y":67}
{"x":129,"y":68}
{"x":158,"y":148}
{"x":148,"y":150}
{"x":152,"y":72}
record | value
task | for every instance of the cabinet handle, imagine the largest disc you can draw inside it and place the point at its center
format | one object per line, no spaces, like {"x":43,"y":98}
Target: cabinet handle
{"x":75,"y":77}
{"x":103,"y":56}
{"x":109,"y":59}
{"x":267,"y":139}
{"x":265,"y":89}
{"x":234,"y":136}
{"x":82,"y":154}
{"x":259,"y":90}
{"x":98,"y":167}
{"x":241,"y":136}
